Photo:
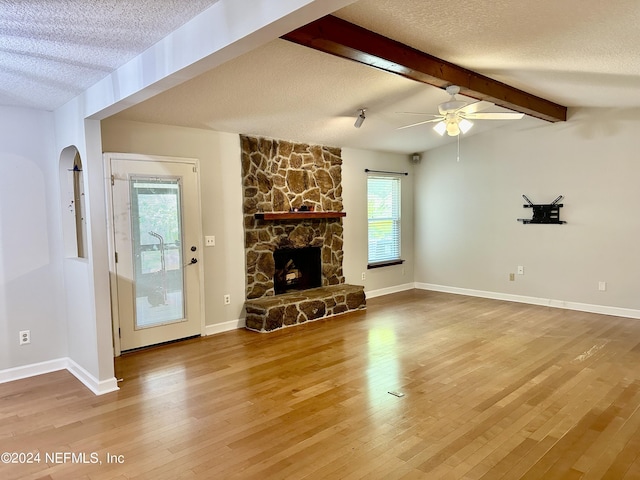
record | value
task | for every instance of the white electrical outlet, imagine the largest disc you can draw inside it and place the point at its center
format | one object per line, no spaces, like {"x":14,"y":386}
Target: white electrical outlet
{"x":602,"y":286}
{"x":520,"y":270}
{"x":25,"y":337}
{"x":210,"y":241}
{"x":227,"y":299}
{"x":363,"y":276}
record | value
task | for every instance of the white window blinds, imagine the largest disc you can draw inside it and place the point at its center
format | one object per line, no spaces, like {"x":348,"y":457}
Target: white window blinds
{"x":383,"y":208}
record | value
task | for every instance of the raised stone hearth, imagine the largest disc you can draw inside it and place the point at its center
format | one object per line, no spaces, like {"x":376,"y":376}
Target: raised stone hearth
{"x":273,"y":312}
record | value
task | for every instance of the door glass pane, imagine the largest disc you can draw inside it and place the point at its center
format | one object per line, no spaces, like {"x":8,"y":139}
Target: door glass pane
{"x":156,"y":236}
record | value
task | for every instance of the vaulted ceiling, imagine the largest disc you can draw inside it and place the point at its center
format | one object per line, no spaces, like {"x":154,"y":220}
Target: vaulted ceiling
{"x":575,"y":53}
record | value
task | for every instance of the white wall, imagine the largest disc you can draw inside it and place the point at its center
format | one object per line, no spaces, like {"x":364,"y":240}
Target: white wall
{"x":467,"y":235}
{"x":354,"y":195}
{"x":221,"y":187}
{"x":31,"y":250}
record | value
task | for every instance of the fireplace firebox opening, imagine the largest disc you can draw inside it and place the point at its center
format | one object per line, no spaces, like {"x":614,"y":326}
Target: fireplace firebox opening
{"x":297,"y":269}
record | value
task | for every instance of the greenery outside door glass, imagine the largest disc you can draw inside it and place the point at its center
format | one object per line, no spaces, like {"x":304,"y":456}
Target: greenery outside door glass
{"x":156,"y":227}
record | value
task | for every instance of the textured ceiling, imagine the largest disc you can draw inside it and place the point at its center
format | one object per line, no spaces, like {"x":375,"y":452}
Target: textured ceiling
{"x":283,"y":90}
{"x":52,"y":50}
{"x":574,"y":52}
{"x":579,"y":53}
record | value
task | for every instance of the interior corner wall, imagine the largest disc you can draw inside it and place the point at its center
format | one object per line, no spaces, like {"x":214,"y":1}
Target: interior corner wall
{"x":31,"y":249}
{"x":378,"y":281}
{"x":221,"y":199}
{"x":86,"y":280}
{"x":466,"y":212}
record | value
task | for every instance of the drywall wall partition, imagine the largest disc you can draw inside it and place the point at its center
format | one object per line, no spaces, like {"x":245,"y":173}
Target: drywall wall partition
{"x":31,"y":250}
{"x":466,"y":227}
{"x":86,"y":282}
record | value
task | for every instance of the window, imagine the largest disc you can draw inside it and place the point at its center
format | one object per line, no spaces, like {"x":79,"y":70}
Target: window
{"x":383,"y":213}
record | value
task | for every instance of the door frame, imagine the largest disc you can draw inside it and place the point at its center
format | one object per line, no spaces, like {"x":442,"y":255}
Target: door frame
{"x":111,"y":250}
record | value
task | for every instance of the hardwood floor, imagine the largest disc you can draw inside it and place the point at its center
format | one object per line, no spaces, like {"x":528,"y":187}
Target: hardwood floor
{"x":492,"y":390}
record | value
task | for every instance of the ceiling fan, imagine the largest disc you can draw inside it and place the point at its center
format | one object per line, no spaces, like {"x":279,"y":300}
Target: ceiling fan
{"x":455,"y":115}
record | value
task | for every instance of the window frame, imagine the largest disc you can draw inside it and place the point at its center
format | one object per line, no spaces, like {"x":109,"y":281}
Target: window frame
{"x":374,"y":261}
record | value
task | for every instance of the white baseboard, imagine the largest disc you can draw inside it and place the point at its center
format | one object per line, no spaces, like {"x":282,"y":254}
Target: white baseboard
{"x":547,"y":302}
{"x":31,"y":370}
{"x":388,"y":290}
{"x":96,"y":386}
{"x":99,"y":387}
{"x":224,"y":326}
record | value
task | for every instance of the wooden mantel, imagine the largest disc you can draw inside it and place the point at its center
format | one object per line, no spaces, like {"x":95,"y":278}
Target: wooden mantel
{"x":298,"y":215}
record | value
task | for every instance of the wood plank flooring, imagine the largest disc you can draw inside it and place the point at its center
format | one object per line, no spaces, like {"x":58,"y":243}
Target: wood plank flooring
{"x":492,"y":390}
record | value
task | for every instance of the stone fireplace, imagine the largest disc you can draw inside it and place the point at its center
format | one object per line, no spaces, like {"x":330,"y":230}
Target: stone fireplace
{"x":292,"y":206}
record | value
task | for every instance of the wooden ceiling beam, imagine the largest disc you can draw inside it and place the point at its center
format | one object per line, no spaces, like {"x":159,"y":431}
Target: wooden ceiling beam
{"x":344,"y":39}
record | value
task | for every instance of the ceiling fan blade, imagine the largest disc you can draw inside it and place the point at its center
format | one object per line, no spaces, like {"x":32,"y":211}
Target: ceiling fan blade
{"x":493,"y":116}
{"x":439,"y":119}
{"x":419,"y":113}
{"x":475,"y":107}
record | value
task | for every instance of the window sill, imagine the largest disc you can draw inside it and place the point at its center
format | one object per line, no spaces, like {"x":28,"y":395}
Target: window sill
{"x":385,"y":264}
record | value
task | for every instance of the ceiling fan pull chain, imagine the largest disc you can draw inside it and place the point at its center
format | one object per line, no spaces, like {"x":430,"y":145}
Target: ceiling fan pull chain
{"x":458,"y":159}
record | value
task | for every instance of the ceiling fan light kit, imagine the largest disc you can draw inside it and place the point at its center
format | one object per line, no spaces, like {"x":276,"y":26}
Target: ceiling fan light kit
{"x":453,"y":130}
{"x":441,"y":128}
{"x":465,"y":125}
{"x":454,"y":115}
{"x":453,"y":127}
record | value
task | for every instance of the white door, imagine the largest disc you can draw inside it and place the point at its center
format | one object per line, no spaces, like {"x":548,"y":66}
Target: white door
{"x":156,"y":242}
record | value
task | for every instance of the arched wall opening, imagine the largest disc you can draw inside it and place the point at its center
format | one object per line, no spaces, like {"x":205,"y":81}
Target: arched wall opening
{"x":74,"y":224}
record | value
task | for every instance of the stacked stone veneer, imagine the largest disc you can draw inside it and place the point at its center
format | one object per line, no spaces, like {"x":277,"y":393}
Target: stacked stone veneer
{"x":278,"y":176}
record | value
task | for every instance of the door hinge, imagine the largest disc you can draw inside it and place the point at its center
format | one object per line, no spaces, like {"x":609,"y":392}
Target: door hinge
{"x":195,"y":169}
{"x":119,"y":333}
{"x":113,"y":180}
{"x":116,"y":257}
